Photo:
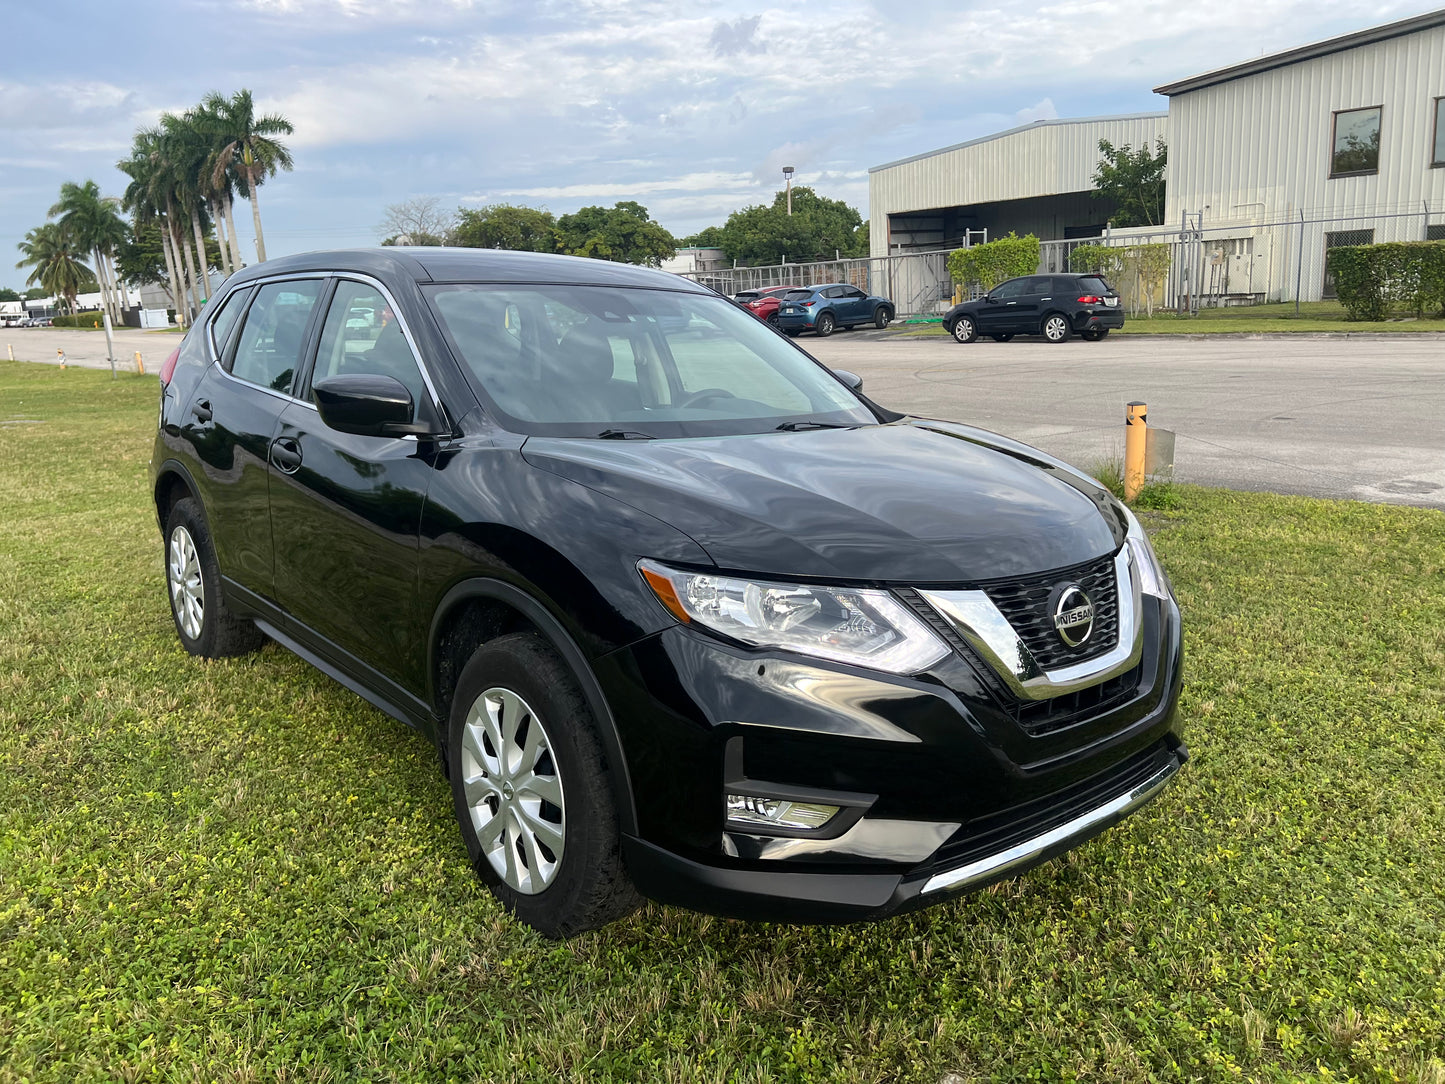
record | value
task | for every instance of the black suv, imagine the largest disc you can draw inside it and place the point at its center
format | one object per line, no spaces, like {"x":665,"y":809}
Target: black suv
{"x":1054,"y":306}
{"x":684,"y":613}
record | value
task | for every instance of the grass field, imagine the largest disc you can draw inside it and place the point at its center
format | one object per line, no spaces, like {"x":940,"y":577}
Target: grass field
{"x":1313,"y":317}
{"x":237,"y":871}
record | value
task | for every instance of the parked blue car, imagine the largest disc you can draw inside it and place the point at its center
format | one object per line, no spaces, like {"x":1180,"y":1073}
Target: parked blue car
{"x":823,"y":308}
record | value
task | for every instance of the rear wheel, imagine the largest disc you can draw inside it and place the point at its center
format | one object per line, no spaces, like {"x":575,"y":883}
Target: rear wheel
{"x":881,"y":317}
{"x":532,"y":789}
{"x":1002,"y":338}
{"x":193,"y":581}
{"x":1055,"y":327}
{"x":964,"y":329}
{"x":825,"y":324}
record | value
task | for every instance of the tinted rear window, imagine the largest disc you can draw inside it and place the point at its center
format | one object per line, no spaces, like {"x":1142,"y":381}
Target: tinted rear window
{"x":797,"y":295}
{"x":1094,"y":284}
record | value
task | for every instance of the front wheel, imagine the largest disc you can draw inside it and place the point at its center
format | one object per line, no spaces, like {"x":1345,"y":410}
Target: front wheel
{"x":193,"y":581}
{"x":773,"y":319}
{"x":965,"y":330}
{"x":825,"y":324}
{"x":1055,"y":328}
{"x":881,"y":317}
{"x":532,"y":790}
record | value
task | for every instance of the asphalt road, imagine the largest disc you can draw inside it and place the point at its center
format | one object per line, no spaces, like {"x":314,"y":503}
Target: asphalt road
{"x":1356,"y":417}
{"x":1361,"y":418}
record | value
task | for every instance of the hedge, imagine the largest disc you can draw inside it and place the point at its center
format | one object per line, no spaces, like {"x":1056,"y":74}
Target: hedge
{"x":1373,"y":281}
{"x":80,"y":319}
{"x":1141,"y":269}
{"x":995,"y":261}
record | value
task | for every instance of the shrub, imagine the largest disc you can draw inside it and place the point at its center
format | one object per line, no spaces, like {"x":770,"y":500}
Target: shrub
{"x":993,"y":262}
{"x":1137,"y":270}
{"x":1400,"y":276}
{"x":79,"y":319}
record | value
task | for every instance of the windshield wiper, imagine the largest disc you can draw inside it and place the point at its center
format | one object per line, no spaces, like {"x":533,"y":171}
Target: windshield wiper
{"x":793,"y":427}
{"x":624,"y":434}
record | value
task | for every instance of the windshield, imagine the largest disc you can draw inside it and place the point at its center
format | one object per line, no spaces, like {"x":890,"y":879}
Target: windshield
{"x":621,"y":363}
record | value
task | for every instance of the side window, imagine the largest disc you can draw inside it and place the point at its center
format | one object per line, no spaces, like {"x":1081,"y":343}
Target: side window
{"x":225,"y":319}
{"x":362,"y":336}
{"x":1012,"y":288}
{"x":854,"y":293}
{"x":269,"y":348}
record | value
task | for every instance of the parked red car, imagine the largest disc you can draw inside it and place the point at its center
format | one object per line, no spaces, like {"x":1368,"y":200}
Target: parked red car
{"x":763,"y":303}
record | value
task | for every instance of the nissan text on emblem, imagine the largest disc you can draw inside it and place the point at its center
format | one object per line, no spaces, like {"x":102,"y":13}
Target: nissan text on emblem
{"x":1073,"y":615}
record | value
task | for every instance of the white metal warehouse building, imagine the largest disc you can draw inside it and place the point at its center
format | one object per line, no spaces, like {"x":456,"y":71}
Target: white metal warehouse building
{"x":1271,"y":161}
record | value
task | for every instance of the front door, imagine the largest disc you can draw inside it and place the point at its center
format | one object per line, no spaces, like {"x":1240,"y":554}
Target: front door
{"x":998,"y":314}
{"x":346,"y":509}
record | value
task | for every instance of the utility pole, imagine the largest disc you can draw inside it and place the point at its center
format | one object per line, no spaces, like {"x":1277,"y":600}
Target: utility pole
{"x":788,"y":179}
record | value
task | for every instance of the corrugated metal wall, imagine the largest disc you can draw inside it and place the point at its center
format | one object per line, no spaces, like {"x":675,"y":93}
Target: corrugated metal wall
{"x":1044,"y":159}
{"x":1258,"y":148}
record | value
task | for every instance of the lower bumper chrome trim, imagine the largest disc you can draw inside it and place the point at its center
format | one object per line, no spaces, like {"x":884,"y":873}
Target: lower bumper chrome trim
{"x":994,"y":866}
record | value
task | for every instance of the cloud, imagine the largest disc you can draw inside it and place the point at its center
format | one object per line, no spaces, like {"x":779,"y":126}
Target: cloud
{"x":1042,"y":110}
{"x":62,"y":105}
{"x":739,"y":36}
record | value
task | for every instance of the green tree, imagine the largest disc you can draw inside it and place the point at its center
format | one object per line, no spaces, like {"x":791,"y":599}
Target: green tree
{"x":818,"y":229}
{"x":54,"y":257}
{"x":1133,"y":181}
{"x":506,"y":225}
{"x":250,"y":144}
{"x":94,"y":224}
{"x":995,"y":262}
{"x":624,"y":233}
{"x":9,"y":295}
{"x":36,"y":293}
{"x":711,"y":237}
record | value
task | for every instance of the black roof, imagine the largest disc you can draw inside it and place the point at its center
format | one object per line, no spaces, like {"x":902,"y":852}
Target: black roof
{"x":474,"y":265}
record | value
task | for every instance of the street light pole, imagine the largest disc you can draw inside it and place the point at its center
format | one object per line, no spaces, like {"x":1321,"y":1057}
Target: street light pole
{"x":788,"y":178}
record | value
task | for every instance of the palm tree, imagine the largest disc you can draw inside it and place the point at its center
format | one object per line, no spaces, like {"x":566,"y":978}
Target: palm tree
{"x":92,"y":222}
{"x":250,"y":146}
{"x":184,"y":146}
{"x":157,"y":185}
{"x":54,"y":257}
{"x":145,"y":199}
{"x":221,"y":179}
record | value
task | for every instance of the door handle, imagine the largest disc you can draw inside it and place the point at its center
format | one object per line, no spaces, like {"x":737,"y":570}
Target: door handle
{"x":1013,"y":302}
{"x":286,"y":455}
{"x":201,"y":408}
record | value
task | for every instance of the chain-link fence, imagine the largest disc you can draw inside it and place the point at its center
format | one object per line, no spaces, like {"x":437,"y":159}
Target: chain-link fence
{"x":917,"y":283}
{"x":1272,"y":261}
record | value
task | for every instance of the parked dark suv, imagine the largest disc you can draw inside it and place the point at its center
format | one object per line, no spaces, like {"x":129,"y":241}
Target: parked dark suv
{"x":1054,"y":306}
{"x":685,"y":614}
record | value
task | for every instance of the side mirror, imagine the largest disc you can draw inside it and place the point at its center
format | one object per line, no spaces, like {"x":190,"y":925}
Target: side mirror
{"x":367,"y":405}
{"x":852,"y":381}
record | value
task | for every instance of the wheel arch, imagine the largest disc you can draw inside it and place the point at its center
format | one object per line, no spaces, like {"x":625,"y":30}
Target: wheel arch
{"x":173,"y":484}
{"x":481,"y":609}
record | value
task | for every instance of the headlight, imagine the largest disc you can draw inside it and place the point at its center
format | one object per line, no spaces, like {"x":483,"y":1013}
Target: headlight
{"x":845,"y":624}
{"x":1152,"y":579}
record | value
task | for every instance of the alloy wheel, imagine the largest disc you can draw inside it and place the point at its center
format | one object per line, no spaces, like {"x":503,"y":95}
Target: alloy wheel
{"x":1056,"y":329}
{"x":963,"y":329}
{"x":513,"y":790}
{"x":183,"y":571}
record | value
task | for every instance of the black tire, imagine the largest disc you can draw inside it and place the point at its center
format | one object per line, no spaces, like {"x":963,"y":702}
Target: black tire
{"x":1054,"y":327}
{"x":881,"y":317}
{"x":1094,"y":334}
{"x":773,"y":318}
{"x":964,"y":330}
{"x":1002,"y":338}
{"x":213,"y":632}
{"x":589,"y":886}
{"x":825,"y":325}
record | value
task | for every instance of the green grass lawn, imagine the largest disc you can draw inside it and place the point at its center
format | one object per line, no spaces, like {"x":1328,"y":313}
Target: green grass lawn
{"x":238,"y":871}
{"x":1313,"y":317}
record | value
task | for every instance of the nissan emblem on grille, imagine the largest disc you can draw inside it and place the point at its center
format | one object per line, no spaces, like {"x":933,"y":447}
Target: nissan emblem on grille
{"x":1073,"y":615}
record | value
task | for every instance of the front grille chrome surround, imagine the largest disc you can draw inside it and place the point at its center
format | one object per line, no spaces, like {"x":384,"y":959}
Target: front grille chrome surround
{"x":976,"y":618}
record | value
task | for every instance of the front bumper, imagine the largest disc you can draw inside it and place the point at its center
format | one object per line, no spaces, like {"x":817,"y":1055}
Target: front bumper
{"x":953,"y":787}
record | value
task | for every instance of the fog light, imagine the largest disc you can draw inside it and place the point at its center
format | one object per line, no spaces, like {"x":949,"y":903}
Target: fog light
{"x":746,"y":811}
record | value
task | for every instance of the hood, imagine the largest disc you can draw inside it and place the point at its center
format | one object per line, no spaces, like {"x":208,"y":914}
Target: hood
{"x":908,"y":502}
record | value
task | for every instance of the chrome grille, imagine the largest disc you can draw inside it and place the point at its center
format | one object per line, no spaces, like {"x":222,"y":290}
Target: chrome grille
{"x":1024,"y":601}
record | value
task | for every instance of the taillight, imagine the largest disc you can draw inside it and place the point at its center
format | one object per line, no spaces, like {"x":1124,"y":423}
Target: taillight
{"x":810,"y":304}
{"x":169,"y":368}
{"x":1090,"y":299}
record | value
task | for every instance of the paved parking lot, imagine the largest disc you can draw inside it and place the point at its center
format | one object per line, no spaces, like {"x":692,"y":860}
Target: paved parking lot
{"x":1362,"y":418}
{"x":1332,"y":417}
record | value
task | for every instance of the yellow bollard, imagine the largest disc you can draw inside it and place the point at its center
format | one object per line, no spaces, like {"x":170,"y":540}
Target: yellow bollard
{"x":140,"y":366}
{"x":1136,"y":430}
{"x":61,"y":355}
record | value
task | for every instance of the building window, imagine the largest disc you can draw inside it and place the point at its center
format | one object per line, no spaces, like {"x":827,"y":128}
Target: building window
{"x":1357,"y":142}
{"x":1438,"y":158}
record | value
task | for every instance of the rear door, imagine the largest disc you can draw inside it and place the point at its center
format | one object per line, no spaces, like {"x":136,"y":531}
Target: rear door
{"x":1036,"y":296}
{"x":346,"y":509}
{"x":233,"y":415}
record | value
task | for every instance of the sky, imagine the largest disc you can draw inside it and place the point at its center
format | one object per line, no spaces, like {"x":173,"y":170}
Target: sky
{"x":692,"y":109}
